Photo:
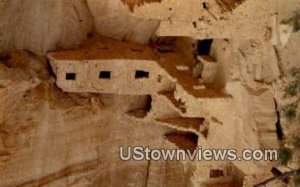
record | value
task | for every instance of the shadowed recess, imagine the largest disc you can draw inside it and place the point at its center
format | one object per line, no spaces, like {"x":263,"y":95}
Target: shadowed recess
{"x":142,"y":111}
{"x":184,"y":122}
{"x":132,"y":3}
{"x":229,"y":5}
{"x":183,"y":140}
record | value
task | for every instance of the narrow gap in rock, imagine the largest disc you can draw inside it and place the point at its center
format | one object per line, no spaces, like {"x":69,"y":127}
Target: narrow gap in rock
{"x":49,"y":69}
{"x":279,"y":132}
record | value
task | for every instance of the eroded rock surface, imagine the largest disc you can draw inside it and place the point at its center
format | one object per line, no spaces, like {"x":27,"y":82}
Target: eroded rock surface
{"x":40,"y":26}
{"x":49,"y":137}
{"x":113,"y":18}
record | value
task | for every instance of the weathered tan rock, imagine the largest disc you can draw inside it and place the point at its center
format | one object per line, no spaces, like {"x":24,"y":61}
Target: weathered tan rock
{"x":289,"y":57}
{"x":40,"y":26}
{"x":112,"y":18}
{"x":206,"y":19}
{"x":75,"y":142}
{"x":209,"y":71}
{"x":11,"y":94}
{"x":70,"y":135}
{"x":226,"y":115}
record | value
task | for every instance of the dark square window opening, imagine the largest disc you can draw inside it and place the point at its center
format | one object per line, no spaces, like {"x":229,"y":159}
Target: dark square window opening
{"x":70,"y":76}
{"x":139,"y":74}
{"x":204,"y":46}
{"x":215,"y":173}
{"x":104,"y":75}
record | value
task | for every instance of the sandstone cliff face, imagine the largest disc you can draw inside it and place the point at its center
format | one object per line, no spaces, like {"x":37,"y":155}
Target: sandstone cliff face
{"x":113,"y":18}
{"x":40,"y":26}
{"x":52,"y":138}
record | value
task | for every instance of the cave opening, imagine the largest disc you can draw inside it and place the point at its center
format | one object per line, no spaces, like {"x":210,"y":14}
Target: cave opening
{"x":143,"y":110}
{"x":183,"y":140}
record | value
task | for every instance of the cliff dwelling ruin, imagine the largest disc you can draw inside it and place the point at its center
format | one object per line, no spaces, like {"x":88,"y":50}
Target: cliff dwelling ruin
{"x":81,"y":79}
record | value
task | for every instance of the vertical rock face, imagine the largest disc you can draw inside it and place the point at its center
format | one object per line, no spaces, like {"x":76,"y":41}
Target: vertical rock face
{"x":210,"y":19}
{"x":43,"y":25}
{"x":52,"y":138}
{"x":112,"y":18}
{"x":289,"y":55}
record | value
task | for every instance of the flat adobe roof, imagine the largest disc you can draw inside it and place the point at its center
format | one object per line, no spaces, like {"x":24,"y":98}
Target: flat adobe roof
{"x":105,"y":48}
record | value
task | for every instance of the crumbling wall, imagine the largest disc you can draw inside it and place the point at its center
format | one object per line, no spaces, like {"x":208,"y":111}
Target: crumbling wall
{"x":122,"y":76}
